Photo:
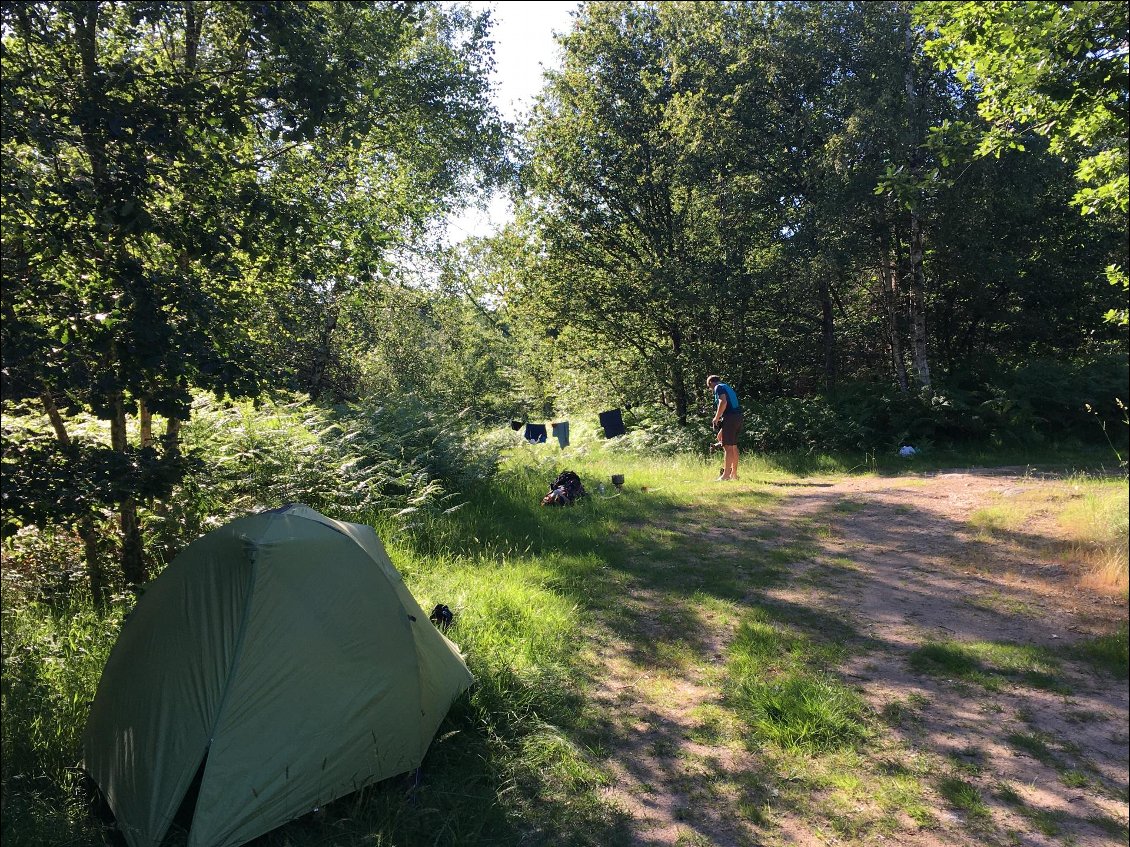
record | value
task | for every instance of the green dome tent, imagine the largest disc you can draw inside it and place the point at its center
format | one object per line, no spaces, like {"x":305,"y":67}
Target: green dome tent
{"x":282,"y":658}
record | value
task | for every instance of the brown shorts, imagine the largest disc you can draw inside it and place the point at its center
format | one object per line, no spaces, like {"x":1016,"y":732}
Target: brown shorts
{"x":730,"y":426}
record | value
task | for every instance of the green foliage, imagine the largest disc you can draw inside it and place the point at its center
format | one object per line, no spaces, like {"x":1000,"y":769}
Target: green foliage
{"x":1040,"y":401}
{"x":799,"y":425}
{"x":1057,"y":69}
{"x":47,"y":483}
{"x":366,"y":462}
{"x":656,"y":250}
{"x":655,"y":431}
{"x":194,"y":192}
{"x":53,"y":656}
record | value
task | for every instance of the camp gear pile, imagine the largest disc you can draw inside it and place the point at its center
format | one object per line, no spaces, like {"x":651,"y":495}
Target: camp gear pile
{"x":565,"y":490}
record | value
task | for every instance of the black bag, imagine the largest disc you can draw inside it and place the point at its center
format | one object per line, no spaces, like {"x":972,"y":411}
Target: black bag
{"x":565,"y":490}
{"x":442,"y":617}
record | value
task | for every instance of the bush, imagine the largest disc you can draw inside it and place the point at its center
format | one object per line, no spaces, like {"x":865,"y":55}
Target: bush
{"x":655,"y":431}
{"x":789,"y":425}
{"x":364,"y":462}
{"x":359,"y":462}
{"x":1040,"y":401}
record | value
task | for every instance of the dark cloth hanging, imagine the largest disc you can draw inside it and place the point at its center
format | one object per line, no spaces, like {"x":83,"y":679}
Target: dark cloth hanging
{"x":515,"y":425}
{"x":613,"y":423}
{"x":535,"y":433}
{"x":561,"y":432}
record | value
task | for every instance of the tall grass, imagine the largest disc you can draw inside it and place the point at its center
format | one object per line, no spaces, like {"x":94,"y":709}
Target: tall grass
{"x":53,"y":657}
{"x":1098,"y":529}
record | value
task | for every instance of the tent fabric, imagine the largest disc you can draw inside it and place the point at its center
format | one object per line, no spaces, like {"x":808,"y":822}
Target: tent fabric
{"x":283,"y":651}
{"x":613,"y":423}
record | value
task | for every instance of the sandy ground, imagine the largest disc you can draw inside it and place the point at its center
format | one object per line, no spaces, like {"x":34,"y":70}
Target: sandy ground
{"x":898,"y":560}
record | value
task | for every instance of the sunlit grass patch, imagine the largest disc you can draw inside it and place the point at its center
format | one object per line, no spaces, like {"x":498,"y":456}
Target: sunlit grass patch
{"x":1075,"y":779}
{"x":1035,"y":744}
{"x":904,"y":793}
{"x":1098,"y":529}
{"x":990,"y":664}
{"x":900,"y":713}
{"x":715,"y":726}
{"x":842,"y":563}
{"x":999,"y":518}
{"x":777,"y":684}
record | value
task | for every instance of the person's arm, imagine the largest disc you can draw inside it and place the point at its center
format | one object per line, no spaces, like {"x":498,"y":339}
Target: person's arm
{"x":723,"y":402}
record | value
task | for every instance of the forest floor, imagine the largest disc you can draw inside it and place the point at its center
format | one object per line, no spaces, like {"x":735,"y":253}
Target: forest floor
{"x":933,"y":585}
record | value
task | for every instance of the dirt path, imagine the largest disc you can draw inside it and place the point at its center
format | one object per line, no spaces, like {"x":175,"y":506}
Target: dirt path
{"x":897,"y":563}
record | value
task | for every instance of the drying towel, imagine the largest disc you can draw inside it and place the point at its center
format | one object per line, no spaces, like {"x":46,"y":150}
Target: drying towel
{"x":613,"y":423}
{"x":561,"y":433}
{"x":535,"y":433}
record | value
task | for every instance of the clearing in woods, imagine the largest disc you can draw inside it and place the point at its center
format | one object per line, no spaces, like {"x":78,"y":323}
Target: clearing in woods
{"x":936,"y":604}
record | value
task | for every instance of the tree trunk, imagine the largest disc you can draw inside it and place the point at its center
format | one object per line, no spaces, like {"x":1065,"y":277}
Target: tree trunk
{"x":915,"y":138}
{"x":163,"y":547}
{"x":193,"y":23}
{"x":92,"y":549}
{"x":678,"y":380}
{"x":56,"y":419}
{"x":322,"y":357}
{"x":171,"y":440}
{"x":888,"y":269}
{"x":145,"y":418}
{"x":827,"y":331}
{"x":133,"y":554}
{"x":918,"y":304}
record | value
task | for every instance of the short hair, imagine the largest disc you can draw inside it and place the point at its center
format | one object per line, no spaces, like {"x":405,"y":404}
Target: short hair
{"x":713,"y":380}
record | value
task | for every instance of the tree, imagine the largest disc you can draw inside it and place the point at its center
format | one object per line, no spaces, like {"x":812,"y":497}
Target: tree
{"x":175,"y":174}
{"x":1056,"y":69}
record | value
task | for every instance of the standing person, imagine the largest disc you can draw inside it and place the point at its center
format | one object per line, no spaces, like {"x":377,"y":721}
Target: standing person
{"x":727,"y":417}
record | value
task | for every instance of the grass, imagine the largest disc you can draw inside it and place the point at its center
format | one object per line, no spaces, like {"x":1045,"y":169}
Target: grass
{"x":1107,"y":654}
{"x":964,"y":797}
{"x":990,"y":664}
{"x":998,"y":518}
{"x":53,"y":658}
{"x":1098,"y":532}
{"x":522,"y":758}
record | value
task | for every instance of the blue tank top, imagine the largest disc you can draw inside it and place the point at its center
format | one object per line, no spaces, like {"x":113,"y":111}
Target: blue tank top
{"x":731,"y":397}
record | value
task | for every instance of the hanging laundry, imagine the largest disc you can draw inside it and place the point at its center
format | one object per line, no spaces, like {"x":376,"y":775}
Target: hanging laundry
{"x":561,"y":433}
{"x":535,"y":433}
{"x":515,"y":425}
{"x":613,"y":423}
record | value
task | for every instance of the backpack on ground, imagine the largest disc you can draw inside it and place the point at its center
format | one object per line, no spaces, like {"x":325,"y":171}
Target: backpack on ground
{"x":565,"y":490}
{"x":442,"y":617}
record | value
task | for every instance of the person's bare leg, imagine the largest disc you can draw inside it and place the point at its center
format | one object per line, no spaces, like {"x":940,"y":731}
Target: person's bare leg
{"x":731,"y":464}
